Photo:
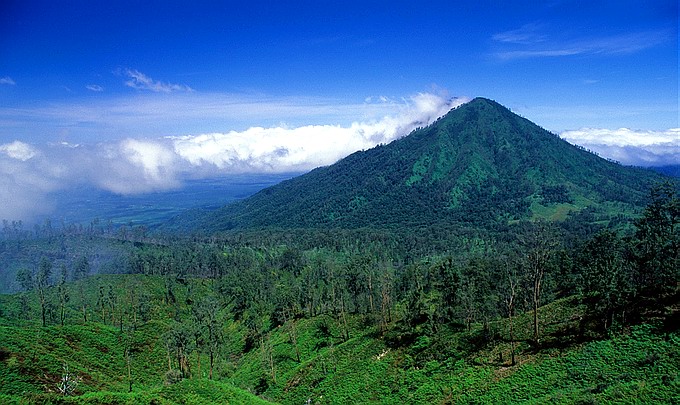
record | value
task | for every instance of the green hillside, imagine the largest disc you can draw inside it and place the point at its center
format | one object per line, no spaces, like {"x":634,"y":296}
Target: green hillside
{"x":450,"y":365}
{"x":130,"y":329}
{"x":480,"y":165}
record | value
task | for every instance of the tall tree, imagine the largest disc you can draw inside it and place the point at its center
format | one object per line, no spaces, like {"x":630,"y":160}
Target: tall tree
{"x":657,"y":241}
{"x":509,"y":290}
{"x":25,"y":279}
{"x":207,"y":331}
{"x":178,"y":340}
{"x":42,"y":282}
{"x":81,"y":268}
{"x":386,"y":292}
{"x":64,"y":296}
{"x":606,"y":277}
{"x":538,"y":241}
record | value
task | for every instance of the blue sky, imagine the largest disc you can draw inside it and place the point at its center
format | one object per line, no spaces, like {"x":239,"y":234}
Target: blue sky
{"x":161,"y":91}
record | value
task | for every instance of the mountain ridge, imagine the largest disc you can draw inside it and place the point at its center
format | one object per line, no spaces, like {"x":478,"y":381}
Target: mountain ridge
{"x":479,"y":163}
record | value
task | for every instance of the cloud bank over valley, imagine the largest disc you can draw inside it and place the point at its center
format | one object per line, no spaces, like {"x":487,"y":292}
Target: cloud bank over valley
{"x":630,"y":147}
{"x":30,"y":172}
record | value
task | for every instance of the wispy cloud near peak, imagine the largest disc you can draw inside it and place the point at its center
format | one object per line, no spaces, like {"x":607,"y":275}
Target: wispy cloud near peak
{"x":281,"y":149}
{"x":140,"y":81}
{"x":7,"y":80}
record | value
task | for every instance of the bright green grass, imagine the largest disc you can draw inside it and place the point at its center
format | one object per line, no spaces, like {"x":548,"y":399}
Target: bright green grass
{"x":552,"y":212}
{"x":637,"y":366}
{"x":185,"y":392}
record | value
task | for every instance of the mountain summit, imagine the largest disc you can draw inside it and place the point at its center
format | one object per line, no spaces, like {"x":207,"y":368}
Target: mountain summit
{"x":480,"y":164}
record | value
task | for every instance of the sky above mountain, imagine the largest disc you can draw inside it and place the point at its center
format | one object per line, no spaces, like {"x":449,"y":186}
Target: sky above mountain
{"x":135,"y":96}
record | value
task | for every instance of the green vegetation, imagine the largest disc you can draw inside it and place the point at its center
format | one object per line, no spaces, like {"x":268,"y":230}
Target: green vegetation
{"x":462,"y":264}
{"x":224,"y":321}
{"x":479,"y":166}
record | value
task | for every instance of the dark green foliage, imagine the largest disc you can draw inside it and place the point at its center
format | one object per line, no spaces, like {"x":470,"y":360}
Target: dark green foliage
{"x":81,"y":268}
{"x":606,"y":278}
{"x":25,"y":278}
{"x":657,"y":241}
{"x":555,"y":194}
{"x":479,"y":165}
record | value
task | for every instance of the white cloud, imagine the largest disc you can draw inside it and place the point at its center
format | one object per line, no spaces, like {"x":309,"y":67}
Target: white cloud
{"x":24,"y":182}
{"x":154,"y":159}
{"x":18,"y":150}
{"x":630,"y":147}
{"x":283,"y":149}
{"x":140,"y":81}
{"x":7,"y":80}
{"x":139,"y":165}
{"x":94,"y":87}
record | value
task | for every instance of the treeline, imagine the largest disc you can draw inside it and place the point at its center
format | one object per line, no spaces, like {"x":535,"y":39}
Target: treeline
{"x":619,"y":279}
{"x":18,"y":230}
{"x":613,"y":274}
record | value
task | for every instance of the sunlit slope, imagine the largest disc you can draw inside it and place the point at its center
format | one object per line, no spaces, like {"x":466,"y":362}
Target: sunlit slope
{"x":480,"y":164}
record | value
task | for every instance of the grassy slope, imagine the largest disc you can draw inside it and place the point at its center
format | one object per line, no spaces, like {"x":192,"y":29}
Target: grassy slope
{"x":640,"y":365}
{"x":33,"y":356}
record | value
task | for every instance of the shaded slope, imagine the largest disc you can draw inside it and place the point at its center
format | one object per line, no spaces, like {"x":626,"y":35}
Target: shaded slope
{"x":478,"y":164}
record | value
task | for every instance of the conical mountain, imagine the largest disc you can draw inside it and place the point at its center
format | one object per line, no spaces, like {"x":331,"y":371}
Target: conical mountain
{"x":479,"y":164}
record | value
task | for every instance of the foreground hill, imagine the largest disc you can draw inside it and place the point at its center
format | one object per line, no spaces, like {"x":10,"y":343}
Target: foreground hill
{"x":453,"y":365}
{"x":480,"y":165}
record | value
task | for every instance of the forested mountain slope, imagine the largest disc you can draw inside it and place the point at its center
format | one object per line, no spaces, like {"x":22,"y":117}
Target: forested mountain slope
{"x":480,"y":165}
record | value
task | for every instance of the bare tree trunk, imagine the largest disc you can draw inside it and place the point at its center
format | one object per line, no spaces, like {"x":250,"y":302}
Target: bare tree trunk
{"x":512,"y":339}
{"x":536,"y":302}
{"x":268,"y":356}
{"x":212,"y":359}
{"x":293,"y":338}
{"x":513,"y":282}
{"x":198,"y":362}
{"x":344,"y":318}
{"x":129,"y":368}
{"x":540,"y":242}
{"x":370,"y":293}
{"x":167,"y":350}
{"x":43,"y":302}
